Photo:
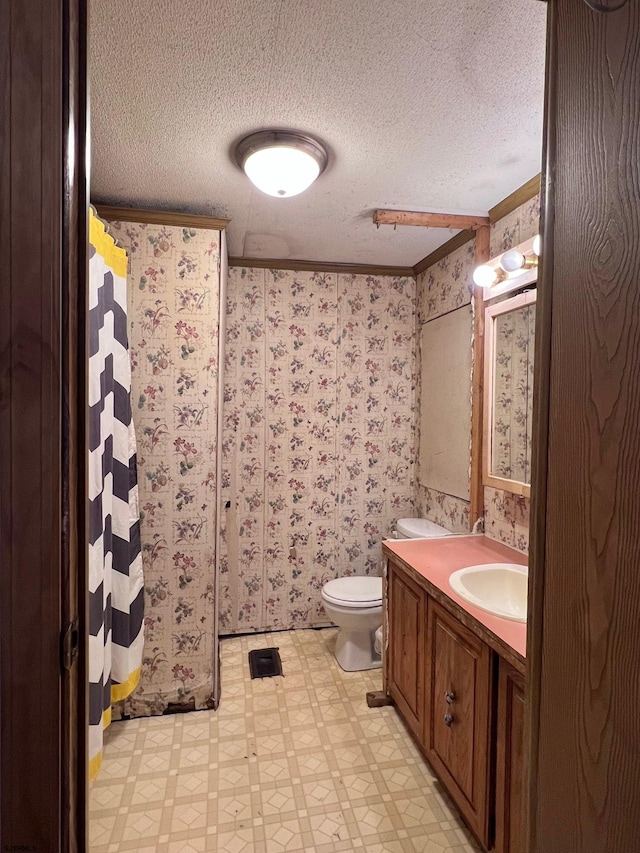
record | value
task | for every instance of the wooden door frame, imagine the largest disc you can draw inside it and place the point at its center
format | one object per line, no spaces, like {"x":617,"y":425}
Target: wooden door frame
{"x":43,"y":246}
{"x":43,"y":195}
{"x":582,"y":773}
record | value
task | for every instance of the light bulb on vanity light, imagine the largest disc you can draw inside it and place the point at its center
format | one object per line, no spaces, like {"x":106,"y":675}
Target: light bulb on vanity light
{"x":537,"y":245}
{"x":512,"y":261}
{"x":485,"y":275}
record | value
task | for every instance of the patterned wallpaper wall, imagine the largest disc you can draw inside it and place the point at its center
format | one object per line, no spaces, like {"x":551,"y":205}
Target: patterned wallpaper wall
{"x":441,"y":288}
{"x":506,"y":514}
{"x":319,"y":439}
{"x":173,"y":284}
{"x":513,"y":393}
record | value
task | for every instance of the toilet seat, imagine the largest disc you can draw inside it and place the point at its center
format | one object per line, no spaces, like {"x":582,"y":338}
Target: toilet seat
{"x":354,"y":592}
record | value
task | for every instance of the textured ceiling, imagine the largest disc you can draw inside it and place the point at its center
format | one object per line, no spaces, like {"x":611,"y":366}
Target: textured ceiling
{"x":425,"y":105}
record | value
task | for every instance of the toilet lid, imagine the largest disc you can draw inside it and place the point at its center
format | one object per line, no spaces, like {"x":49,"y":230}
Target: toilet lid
{"x":354,"y":591}
{"x":420,"y":528}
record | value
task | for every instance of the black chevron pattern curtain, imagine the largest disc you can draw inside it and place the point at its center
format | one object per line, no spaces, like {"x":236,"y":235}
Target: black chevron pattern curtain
{"x":115,"y":562}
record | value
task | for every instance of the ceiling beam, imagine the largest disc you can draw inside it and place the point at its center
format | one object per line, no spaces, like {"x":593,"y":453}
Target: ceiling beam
{"x":428,"y":220}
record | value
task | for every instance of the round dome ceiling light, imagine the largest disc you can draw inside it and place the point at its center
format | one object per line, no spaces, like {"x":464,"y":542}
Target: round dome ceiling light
{"x":281,"y":163}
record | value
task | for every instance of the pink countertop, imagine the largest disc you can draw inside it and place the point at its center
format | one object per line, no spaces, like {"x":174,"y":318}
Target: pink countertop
{"x":437,"y":559}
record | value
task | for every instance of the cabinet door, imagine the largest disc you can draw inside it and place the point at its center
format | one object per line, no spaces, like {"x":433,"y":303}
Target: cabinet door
{"x":458,"y":712}
{"x":510,"y":765}
{"x":407,"y":614}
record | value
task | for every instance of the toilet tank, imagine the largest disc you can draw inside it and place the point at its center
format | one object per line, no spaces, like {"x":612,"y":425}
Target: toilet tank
{"x":419,"y":528}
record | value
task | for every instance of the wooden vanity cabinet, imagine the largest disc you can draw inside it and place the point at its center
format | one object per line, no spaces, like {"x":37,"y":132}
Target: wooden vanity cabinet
{"x":405,"y":661}
{"x":464,"y":704}
{"x":510,"y":761}
{"x":458,"y":714}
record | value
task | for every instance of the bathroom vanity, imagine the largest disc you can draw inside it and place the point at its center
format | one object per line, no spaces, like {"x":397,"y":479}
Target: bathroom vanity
{"x":456,"y":675}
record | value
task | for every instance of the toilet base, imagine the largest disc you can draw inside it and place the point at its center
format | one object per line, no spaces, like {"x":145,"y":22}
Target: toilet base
{"x":355,"y":650}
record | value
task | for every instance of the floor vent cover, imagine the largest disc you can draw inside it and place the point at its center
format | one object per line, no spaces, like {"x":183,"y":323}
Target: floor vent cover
{"x":264,"y":663}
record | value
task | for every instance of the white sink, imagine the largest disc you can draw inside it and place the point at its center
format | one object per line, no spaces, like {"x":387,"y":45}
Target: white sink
{"x":498,"y":588}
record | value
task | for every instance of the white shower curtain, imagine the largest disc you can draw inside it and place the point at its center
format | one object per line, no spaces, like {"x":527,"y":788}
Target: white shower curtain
{"x":115,"y":563}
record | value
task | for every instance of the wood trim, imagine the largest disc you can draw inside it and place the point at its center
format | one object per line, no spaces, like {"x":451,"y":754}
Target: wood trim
{"x":511,"y":486}
{"x":319,"y":266}
{"x":515,"y":487}
{"x":75,"y":273}
{"x":42,"y":415}
{"x":520,"y":196}
{"x":523,"y":194}
{"x":160,"y":217}
{"x":456,"y":242}
{"x":476,"y":505}
{"x":583,"y":753}
{"x":539,"y":445}
{"x":510,"y":780}
{"x":428,"y":220}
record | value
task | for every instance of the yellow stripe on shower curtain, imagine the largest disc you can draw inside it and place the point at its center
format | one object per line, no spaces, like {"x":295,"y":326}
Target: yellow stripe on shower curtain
{"x":105,"y":245}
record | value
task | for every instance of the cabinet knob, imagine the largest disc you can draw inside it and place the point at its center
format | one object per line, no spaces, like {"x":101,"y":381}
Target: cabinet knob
{"x":448,"y":720}
{"x":449,"y":696}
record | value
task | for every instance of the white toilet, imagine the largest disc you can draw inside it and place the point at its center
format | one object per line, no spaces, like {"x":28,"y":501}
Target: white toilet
{"x":355,"y":605}
{"x":419,"y":528}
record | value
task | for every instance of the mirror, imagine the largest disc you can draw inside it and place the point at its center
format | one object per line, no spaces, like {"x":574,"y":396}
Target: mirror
{"x":509,"y":342}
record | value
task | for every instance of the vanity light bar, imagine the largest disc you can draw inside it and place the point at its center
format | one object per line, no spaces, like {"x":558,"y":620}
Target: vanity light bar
{"x":510,"y":270}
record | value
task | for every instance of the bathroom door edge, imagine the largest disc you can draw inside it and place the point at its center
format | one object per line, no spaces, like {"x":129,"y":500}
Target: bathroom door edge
{"x":43,"y":196}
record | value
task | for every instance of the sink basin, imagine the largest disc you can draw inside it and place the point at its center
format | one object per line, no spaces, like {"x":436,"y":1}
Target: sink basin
{"x":498,"y":588}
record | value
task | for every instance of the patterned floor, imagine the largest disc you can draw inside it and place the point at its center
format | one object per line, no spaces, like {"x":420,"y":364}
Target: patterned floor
{"x":298,"y":763}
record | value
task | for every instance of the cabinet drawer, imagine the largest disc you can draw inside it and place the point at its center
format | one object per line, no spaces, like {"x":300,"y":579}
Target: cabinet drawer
{"x":457,"y":714}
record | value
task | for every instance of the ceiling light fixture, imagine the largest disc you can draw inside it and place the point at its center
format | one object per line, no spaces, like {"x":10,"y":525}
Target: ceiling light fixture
{"x":281,"y":163}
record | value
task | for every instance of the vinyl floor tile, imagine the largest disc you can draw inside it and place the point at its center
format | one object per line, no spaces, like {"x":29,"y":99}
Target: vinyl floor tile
{"x":286,"y":765}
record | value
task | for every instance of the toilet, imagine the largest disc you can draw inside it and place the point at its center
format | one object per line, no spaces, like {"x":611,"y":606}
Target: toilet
{"x":354,"y":604}
{"x":419,"y":528}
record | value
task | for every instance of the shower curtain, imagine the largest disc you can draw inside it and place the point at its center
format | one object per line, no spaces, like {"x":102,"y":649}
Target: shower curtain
{"x":115,"y":561}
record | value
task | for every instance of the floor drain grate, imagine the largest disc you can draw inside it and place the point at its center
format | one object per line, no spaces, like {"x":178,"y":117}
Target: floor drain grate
{"x":264,"y":663}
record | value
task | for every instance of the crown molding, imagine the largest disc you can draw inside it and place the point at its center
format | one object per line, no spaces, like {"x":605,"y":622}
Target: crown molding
{"x":160,"y":217}
{"x":520,"y":196}
{"x":320,"y":266}
{"x":441,"y":252}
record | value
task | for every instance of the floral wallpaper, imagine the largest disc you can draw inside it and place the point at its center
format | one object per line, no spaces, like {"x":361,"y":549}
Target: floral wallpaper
{"x":319,"y":438}
{"x":173,"y":284}
{"x":446,"y":285}
{"x":513,"y":394}
{"x":442,"y":288}
{"x":515,"y":227}
{"x":506,"y":518}
{"x":506,"y":514}
{"x":449,"y":511}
